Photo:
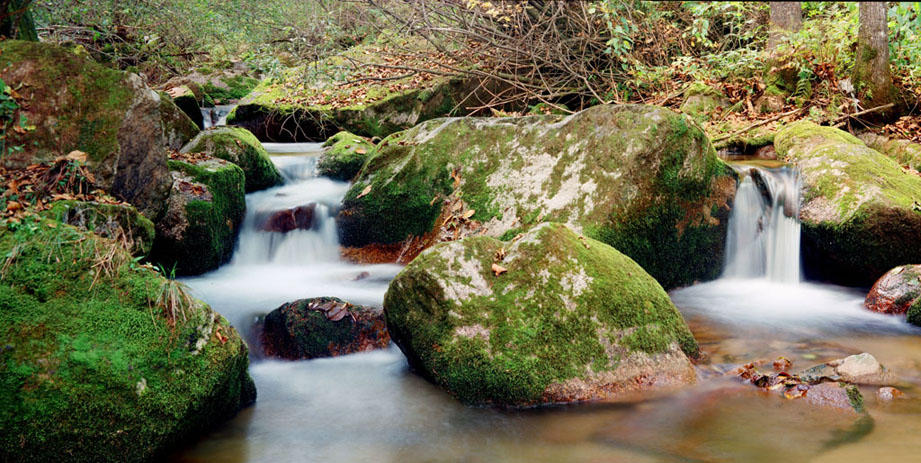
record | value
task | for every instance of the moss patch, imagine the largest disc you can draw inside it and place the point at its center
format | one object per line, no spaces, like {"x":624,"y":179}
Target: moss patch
{"x":345,"y":155}
{"x":240,"y":147}
{"x":91,"y":370}
{"x":568,"y":309}
{"x":113,"y":221}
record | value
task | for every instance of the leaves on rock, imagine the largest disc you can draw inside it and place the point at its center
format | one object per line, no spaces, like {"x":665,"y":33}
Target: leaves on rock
{"x":364,"y":192}
{"x":498,"y":269}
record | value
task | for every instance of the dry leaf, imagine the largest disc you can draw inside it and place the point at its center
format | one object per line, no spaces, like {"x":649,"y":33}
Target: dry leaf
{"x":77,"y":156}
{"x":364,"y":192}
{"x":468,"y":214}
{"x":498,"y":269}
{"x":360,"y":150}
{"x":500,"y":254}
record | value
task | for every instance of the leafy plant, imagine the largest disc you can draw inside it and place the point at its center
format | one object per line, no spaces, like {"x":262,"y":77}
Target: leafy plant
{"x":11,"y":119}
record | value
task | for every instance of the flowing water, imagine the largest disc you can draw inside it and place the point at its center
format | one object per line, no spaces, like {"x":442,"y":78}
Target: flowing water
{"x":369,"y":408}
{"x":216,"y":116}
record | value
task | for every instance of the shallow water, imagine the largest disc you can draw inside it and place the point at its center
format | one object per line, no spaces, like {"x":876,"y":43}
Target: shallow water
{"x":369,"y":407}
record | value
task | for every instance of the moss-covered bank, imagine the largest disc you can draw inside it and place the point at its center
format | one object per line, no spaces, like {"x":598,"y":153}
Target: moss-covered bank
{"x":643,"y":179}
{"x":119,"y":222}
{"x":571,"y":319}
{"x":860,"y":213}
{"x":92,"y":368}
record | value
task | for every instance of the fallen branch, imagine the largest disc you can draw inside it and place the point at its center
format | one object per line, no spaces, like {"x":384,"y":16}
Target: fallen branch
{"x":757,"y":124}
{"x":843,"y":119}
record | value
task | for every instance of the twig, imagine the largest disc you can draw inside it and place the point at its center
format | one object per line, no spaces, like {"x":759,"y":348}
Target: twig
{"x":845,"y":117}
{"x":756,"y":124}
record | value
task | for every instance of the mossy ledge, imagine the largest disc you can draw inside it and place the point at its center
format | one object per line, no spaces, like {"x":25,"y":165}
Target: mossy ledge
{"x":240,"y":147}
{"x":572,"y":319}
{"x":859,"y":213}
{"x":641,"y":178}
{"x":93,"y":369}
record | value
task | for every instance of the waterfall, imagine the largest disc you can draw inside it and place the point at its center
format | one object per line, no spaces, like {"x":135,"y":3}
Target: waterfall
{"x":216,"y":116}
{"x":764,"y":227}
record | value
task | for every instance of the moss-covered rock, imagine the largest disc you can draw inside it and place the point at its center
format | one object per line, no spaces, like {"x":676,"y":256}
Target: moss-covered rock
{"x":895,"y":291}
{"x":178,"y":128}
{"x":344,"y":155}
{"x":861,"y":209}
{"x":905,"y":152}
{"x":120,"y":222}
{"x":566,"y":318}
{"x":241,"y":148}
{"x":914,"y":313}
{"x":77,"y":104}
{"x":642,"y":179}
{"x":322,"y":327}
{"x":701,"y":100}
{"x":94,"y":368}
{"x":187,"y":101}
{"x":227,"y":88}
{"x":204,"y":211}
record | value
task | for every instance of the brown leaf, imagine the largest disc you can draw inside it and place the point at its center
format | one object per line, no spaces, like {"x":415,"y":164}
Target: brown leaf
{"x":500,"y":254}
{"x":76,"y":156}
{"x":498,"y":269}
{"x":468,"y":214}
{"x":360,"y":151}
{"x":364,"y":192}
{"x":337,"y":312}
{"x":13,"y":206}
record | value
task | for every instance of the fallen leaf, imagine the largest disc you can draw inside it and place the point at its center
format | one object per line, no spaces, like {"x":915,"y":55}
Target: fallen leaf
{"x":364,"y":192}
{"x":13,"y":206}
{"x":76,"y":156}
{"x":498,"y":269}
{"x":360,"y":151}
{"x":468,"y":214}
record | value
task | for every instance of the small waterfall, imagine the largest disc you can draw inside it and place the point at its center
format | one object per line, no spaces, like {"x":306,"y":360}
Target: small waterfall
{"x":310,"y":240}
{"x":764,"y":227}
{"x":216,"y":116}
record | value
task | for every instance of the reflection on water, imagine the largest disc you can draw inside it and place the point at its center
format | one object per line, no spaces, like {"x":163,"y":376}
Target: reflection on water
{"x":370,"y":407}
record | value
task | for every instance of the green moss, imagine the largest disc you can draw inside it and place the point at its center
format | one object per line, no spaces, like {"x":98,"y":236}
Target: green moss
{"x":240,"y":147}
{"x":237,"y":88}
{"x":77,"y":345}
{"x":531,"y":328}
{"x":115,"y":221}
{"x":342,"y":159}
{"x":914,"y":313}
{"x":207,"y":239}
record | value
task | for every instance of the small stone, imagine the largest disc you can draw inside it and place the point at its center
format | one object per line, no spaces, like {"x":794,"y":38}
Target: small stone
{"x":863,"y":369}
{"x":887,"y":394}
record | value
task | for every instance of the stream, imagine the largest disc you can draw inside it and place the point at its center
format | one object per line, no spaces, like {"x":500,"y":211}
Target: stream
{"x":369,"y":407}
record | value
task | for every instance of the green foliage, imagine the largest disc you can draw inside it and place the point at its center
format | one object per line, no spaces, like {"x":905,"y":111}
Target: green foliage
{"x":10,"y":119}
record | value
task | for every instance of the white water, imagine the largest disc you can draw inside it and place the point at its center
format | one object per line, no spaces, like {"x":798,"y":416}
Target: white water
{"x":216,"y":116}
{"x":764,"y":228}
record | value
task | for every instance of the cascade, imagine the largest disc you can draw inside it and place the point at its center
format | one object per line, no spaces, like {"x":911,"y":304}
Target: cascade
{"x":764,"y":227}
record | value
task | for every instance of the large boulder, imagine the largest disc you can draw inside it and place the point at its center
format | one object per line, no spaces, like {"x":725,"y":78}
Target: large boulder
{"x":343,"y":156}
{"x":861,"y":211}
{"x":322,"y":327}
{"x":895,"y":291}
{"x":75,"y":103}
{"x":186,"y":100}
{"x":552,"y":317}
{"x":178,"y":128}
{"x":241,"y":148}
{"x":203,"y":214}
{"x":120,"y":222}
{"x":642,"y":179}
{"x":701,"y":101}
{"x":104,"y":360}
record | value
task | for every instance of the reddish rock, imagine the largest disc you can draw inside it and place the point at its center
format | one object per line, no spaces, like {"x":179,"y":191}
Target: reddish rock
{"x":322,"y":327}
{"x":896,"y":291}
{"x":766,"y":152}
{"x":298,"y":218}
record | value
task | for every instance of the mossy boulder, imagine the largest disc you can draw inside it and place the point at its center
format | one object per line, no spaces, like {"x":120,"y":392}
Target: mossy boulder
{"x":322,"y":327}
{"x":701,"y":100}
{"x":895,"y":291}
{"x":914,"y":313}
{"x":120,"y":222}
{"x":861,"y":211}
{"x":228,"y":87}
{"x":178,"y":128}
{"x":186,"y":100}
{"x":77,"y":104}
{"x":93,"y":367}
{"x":907,"y":153}
{"x":240,"y":147}
{"x":203,"y":214}
{"x":344,"y":155}
{"x":642,"y":179}
{"x":563,"y":318}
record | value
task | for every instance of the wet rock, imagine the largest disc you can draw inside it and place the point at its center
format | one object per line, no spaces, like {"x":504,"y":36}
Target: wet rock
{"x":888,"y":394}
{"x":123,"y":125}
{"x":766,"y":152}
{"x":322,"y":327}
{"x":860,"y":215}
{"x":120,"y":222}
{"x":186,"y":100}
{"x":843,"y":396}
{"x":344,"y":155}
{"x":642,"y":179}
{"x":863,"y":369}
{"x":298,"y":218}
{"x":240,"y":147}
{"x":896,"y":291}
{"x":204,"y":211}
{"x":122,"y":374}
{"x":552,"y":317}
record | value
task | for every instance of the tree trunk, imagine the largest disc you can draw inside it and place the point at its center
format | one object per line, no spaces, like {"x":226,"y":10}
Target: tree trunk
{"x":16,"y":20}
{"x":786,"y":17}
{"x":872,"y":78}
